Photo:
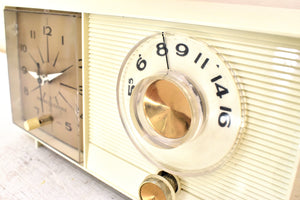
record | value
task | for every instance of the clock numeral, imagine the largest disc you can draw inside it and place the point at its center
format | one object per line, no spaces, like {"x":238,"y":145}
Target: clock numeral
{"x":47,"y":30}
{"x":62,"y":40}
{"x":32,"y":34}
{"x":24,"y":69}
{"x":26,"y":91}
{"x":23,"y":48}
{"x":68,"y":126}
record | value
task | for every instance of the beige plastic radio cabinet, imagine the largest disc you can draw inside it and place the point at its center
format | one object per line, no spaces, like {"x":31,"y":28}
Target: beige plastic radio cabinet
{"x":163,"y":99}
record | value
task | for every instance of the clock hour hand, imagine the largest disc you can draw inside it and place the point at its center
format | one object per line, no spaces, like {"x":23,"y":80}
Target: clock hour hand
{"x":44,"y":77}
{"x":33,"y":74}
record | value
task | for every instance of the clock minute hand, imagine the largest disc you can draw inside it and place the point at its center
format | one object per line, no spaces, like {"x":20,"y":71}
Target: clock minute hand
{"x":51,"y":77}
{"x":34,"y":74}
{"x":67,"y":68}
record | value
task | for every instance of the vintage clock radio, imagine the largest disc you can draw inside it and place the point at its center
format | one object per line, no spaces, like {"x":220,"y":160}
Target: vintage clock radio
{"x":162,"y":99}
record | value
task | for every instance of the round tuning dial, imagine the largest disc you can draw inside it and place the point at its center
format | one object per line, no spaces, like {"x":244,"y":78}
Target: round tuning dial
{"x":180,"y":103}
{"x":166,"y":109}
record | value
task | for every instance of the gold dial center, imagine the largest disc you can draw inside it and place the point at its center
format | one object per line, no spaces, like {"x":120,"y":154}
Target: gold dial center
{"x":150,"y":191}
{"x":167,"y":109}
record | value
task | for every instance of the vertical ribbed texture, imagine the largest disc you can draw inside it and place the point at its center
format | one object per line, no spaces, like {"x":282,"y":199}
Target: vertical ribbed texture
{"x":269,"y":71}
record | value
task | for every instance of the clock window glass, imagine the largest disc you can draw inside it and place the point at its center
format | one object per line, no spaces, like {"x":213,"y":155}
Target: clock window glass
{"x":45,"y":70}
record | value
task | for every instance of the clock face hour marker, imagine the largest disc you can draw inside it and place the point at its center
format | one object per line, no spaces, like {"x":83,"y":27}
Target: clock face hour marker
{"x":50,"y":104}
{"x":55,"y":60}
{"x":33,"y":58}
{"x":63,"y":97}
{"x":68,"y":86}
{"x":56,"y":100}
{"x":35,"y":89}
{"x":66,"y":69}
{"x":41,"y":55}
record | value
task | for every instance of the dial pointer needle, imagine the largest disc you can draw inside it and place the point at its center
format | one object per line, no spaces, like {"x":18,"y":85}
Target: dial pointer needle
{"x":62,"y":71}
{"x":166,"y":50}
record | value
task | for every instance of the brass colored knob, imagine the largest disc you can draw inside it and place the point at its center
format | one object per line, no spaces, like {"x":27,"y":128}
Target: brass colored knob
{"x":167,"y":109}
{"x":36,"y":122}
{"x":150,"y":191}
{"x":163,"y":186}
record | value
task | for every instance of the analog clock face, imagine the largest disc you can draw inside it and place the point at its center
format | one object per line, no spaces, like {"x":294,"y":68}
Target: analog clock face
{"x":49,"y":48}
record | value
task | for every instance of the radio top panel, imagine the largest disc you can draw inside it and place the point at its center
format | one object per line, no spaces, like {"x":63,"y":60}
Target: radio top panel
{"x":274,"y":17}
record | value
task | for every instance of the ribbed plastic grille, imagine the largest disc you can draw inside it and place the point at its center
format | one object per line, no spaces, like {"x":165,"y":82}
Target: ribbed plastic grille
{"x":268,"y":68}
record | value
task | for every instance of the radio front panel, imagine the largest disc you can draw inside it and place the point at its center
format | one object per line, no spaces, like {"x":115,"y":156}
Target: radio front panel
{"x":185,"y":110}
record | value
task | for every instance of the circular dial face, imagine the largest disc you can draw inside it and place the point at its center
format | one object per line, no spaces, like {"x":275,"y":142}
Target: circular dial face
{"x":50,"y":74}
{"x":179,"y":103}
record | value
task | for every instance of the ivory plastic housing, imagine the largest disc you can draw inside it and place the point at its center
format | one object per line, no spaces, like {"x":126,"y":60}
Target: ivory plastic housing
{"x":261,"y":46}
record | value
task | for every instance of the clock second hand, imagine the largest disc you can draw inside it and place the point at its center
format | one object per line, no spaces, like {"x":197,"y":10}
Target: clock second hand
{"x":40,"y":85}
